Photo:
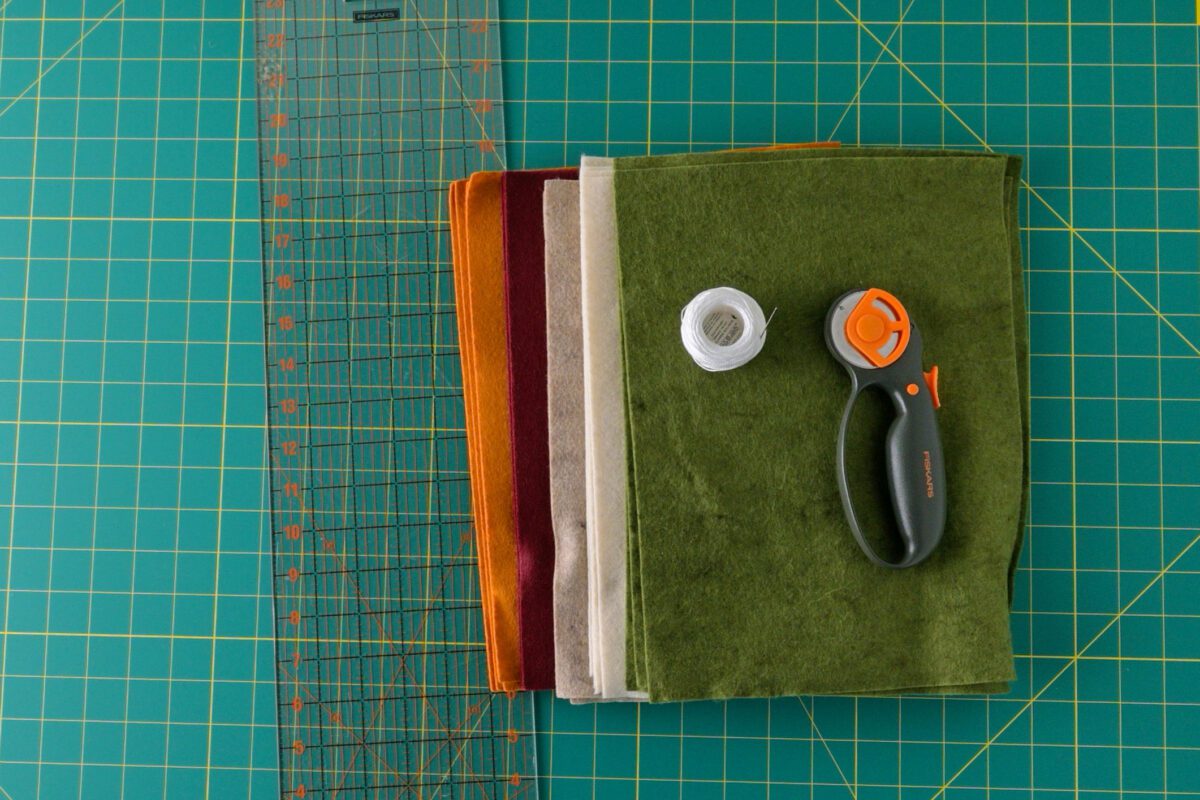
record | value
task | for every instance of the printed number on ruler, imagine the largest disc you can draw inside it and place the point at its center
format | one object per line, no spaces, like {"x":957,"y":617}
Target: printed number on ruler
{"x":285,"y":331}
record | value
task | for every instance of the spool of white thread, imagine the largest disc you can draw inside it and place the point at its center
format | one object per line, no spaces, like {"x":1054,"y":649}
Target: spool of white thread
{"x":722,"y":328}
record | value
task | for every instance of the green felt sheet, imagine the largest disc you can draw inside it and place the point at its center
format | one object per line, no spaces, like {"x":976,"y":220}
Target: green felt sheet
{"x":744,"y":579}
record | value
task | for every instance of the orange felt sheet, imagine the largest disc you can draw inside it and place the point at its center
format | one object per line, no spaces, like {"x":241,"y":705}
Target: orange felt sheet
{"x":478,"y":254}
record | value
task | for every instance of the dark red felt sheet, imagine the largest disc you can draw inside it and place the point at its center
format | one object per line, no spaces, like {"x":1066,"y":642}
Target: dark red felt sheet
{"x":525,"y":304}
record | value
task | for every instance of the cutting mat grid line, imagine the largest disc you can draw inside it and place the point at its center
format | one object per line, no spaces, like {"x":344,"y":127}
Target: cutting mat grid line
{"x":136,"y":655}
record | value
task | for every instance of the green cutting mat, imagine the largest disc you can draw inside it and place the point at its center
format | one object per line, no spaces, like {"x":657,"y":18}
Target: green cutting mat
{"x":136,"y":655}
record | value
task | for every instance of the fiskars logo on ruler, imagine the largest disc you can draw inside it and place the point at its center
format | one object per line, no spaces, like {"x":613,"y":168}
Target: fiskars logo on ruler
{"x":365,"y":116}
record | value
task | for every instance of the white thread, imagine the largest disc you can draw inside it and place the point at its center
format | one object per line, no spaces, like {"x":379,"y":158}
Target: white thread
{"x":722,"y":328}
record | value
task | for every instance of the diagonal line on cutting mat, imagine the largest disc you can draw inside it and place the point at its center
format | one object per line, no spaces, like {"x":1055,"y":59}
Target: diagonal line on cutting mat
{"x":403,"y":666}
{"x":363,"y":745}
{"x":1068,"y":226}
{"x":812,"y":720}
{"x":1070,"y":663}
{"x":870,"y":71}
{"x":60,"y":59}
{"x":446,"y":65}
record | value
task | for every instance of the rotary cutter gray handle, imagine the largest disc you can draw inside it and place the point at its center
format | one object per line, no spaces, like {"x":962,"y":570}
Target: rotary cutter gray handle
{"x":915,"y":466}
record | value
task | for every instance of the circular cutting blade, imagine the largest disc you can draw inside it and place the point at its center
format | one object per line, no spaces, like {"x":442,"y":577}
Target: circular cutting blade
{"x":838,"y":314}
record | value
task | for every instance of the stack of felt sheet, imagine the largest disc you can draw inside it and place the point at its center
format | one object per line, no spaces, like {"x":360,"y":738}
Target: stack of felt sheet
{"x":651,"y":530}
{"x":500,"y":296}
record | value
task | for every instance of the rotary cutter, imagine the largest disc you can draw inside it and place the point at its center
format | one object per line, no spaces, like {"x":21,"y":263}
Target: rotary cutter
{"x":870,"y":334}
